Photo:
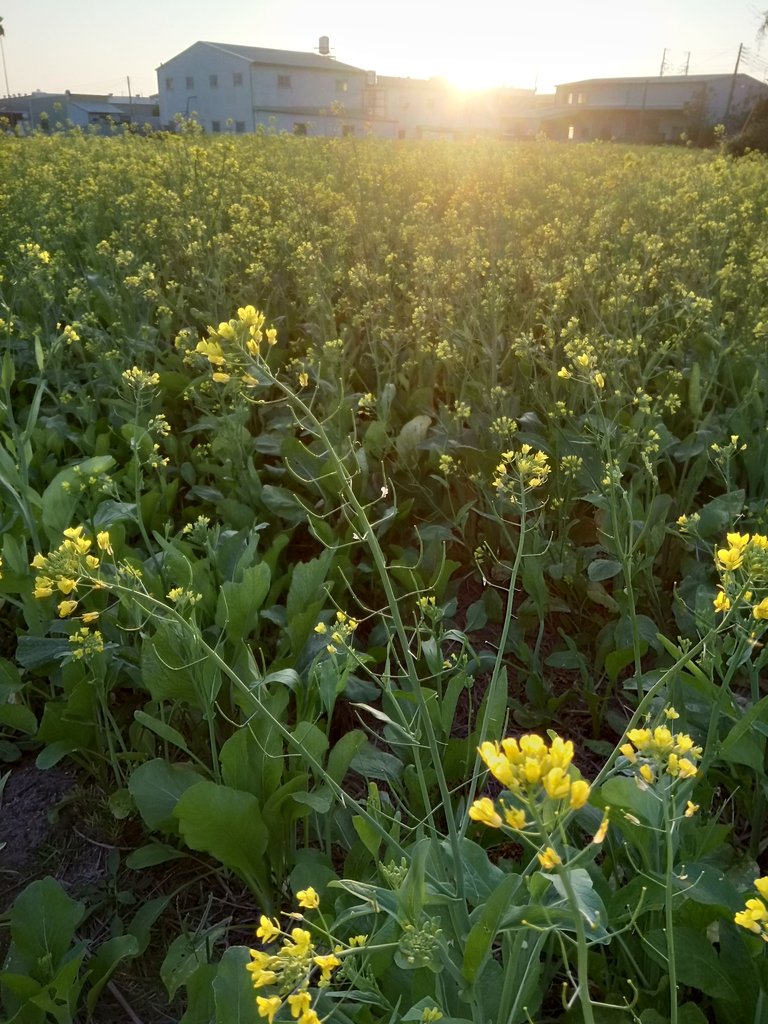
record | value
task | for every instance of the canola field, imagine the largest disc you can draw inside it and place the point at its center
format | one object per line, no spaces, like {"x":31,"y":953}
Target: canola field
{"x":385,"y":546}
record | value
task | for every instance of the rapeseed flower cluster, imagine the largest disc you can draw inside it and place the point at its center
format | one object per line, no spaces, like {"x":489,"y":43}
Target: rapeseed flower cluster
{"x":339,"y":633}
{"x":522,"y":470}
{"x":233,"y":346}
{"x":754,"y":916}
{"x":290,"y":968}
{"x":659,"y":751}
{"x":66,"y":573}
{"x":537,"y":774}
{"x":742,"y":564}
{"x":63,"y":571}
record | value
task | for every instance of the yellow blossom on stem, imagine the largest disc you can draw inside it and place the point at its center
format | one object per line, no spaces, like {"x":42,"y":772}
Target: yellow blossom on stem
{"x":308,"y":898}
{"x":327,"y":964}
{"x":549,"y":858}
{"x":299,"y":1003}
{"x":484,"y":810}
{"x":268,"y":929}
{"x":268,"y":1006}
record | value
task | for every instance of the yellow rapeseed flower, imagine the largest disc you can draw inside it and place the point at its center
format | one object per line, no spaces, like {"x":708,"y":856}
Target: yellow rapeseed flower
{"x":268,"y":929}
{"x":549,"y":859}
{"x":268,"y":1006}
{"x":484,"y":810}
{"x":308,"y":898}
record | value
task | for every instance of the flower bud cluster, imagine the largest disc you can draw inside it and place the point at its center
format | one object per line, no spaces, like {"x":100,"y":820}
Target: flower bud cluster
{"x":659,"y":751}
{"x":518,"y":471}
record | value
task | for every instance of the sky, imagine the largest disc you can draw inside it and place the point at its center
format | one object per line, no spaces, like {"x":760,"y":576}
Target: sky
{"x":96,"y":45}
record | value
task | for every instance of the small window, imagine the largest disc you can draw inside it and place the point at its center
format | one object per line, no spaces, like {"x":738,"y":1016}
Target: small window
{"x":341,"y":85}
{"x":347,"y":130}
{"x":571,"y":133}
{"x":239,"y":127}
{"x":581,"y":98}
{"x":237,"y":78}
{"x":284,"y":81}
{"x":215,"y":126}
{"x":300,"y":128}
{"x":190,"y":83}
{"x":570,"y":97}
{"x":169,"y":85}
{"x":213,"y":81}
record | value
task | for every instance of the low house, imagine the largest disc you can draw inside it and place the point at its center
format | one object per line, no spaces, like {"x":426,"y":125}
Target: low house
{"x":233,"y":88}
{"x":656,"y":109}
{"x":54,"y":111}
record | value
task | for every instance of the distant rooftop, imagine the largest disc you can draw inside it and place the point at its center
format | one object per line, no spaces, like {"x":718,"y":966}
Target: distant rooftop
{"x":641,"y":79}
{"x":291,"y":58}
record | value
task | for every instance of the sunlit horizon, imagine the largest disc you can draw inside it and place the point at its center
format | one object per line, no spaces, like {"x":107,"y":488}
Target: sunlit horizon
{"x":89,"y":46}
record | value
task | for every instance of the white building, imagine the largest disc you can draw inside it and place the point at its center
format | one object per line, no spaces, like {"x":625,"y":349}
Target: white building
{"x":655,"y":109}
{"x":232,"y":88}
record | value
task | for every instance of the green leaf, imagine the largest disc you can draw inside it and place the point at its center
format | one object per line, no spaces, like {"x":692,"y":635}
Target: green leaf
{"x":105,"y":962}
{"x":226,"y":823}
{"x":283,"y":503}
{"x":603,"y":569}
{"x":163,"y":730}
{"x":372,"y":763}
{"x":239,"y":604}
{"x":698,"y":964}
{"x":60,"y":498}
{"x":485,"y":928}
{"x":185,"y":954}
{"x":152,"y":854}
{"x":411,"y":436}
{"x":624,"y":792}
{"x":156,"y":788}
{"x":589,"y":904}
{"x":233,"y":991}
{"x":43,"y":920}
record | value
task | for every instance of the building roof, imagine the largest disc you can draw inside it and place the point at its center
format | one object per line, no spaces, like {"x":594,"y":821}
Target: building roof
{"x":91,"y":107}
{"x":657,"y":79}
{"x":289,"y":58}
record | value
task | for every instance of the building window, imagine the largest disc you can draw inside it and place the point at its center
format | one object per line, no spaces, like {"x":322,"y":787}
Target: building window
{"x":571,"y":133}
{"x":284,"y":81}
{"x":169,"y":85}
{"x":341,"y":85}
{"x":581,"y":98}
{"x":300,"y":128}
{"x":215,"y":126}
{"x":347,"y":129}
{"x":213,"y":81}
{"x":237,"y":78}
{"x":239,"y":127}
{"x":570,"y":97}
{"x":190,"y":83}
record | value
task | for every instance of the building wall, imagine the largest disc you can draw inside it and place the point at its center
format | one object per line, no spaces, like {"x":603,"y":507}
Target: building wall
{"x":227,"y":93}
{"x":652,"y":109}
{"x":185,"y":86}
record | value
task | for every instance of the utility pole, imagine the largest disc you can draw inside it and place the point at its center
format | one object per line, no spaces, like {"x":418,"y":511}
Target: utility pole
{"x":687,"y":62}
{"x":663,"y":63}
{"x":130,"y":98}
{"x":2,"y":50}
{"x":733,"y":82}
